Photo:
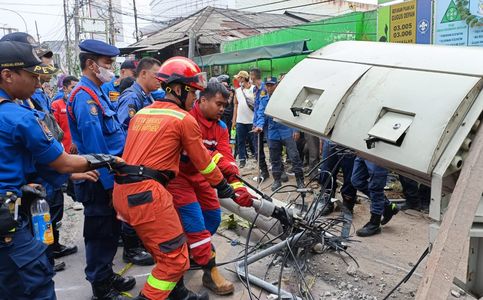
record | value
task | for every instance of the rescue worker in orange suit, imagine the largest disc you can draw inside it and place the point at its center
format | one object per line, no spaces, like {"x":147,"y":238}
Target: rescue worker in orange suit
{"x":197,"y":203}
{"x":156,"y":137}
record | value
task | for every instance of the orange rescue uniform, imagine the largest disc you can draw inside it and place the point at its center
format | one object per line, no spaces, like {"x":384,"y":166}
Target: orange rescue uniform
{"x":156,"y":137}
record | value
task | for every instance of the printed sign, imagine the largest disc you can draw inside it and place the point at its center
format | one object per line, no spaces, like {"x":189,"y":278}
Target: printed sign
{"x":403,"y":22}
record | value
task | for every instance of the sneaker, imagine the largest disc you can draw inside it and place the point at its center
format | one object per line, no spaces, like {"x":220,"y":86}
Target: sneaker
{"x":62,"y":250}
{"x":59,"y":266}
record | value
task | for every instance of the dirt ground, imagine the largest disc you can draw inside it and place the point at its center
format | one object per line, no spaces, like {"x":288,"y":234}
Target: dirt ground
{"x":383,"y":259}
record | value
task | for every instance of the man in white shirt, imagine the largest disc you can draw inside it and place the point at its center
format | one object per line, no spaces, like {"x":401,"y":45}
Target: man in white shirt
{"x":243,"y":115}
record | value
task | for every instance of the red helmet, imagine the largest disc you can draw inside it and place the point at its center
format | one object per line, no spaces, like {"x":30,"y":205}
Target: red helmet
{"x":183,"y":70}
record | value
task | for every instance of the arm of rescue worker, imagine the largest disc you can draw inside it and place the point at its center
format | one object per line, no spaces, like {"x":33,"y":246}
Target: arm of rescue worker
{"x":259,"y":114}
{"x":127,"y":105}
{"x":225,"y":161}
{"x":193,"y":145}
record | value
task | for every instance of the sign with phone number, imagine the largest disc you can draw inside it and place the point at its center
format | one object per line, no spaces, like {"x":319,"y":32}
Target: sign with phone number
{"x":403,"y":21}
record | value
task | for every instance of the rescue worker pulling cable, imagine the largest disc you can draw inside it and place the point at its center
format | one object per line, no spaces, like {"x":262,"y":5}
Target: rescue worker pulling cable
{"x":157,"y":135}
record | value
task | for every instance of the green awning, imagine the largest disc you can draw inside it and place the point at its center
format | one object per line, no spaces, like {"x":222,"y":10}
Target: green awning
{"x":254,"y":54}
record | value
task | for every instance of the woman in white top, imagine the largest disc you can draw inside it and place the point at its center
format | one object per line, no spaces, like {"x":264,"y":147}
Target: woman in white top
{"x":243,"y":115}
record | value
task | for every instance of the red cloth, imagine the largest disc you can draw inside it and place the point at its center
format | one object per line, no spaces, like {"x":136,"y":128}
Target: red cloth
{"x":59,"y":108}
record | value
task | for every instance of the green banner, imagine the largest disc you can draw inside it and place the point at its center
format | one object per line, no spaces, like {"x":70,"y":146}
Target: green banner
{"x":383,"y":23}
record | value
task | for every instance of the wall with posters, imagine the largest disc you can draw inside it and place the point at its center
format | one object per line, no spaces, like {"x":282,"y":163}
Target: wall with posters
{"x":458,"y":22}
{"x":407,"y":22}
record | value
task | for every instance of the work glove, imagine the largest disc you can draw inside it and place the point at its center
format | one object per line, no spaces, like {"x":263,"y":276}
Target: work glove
{"x":97,"y":161}
{"x":243,"y":197}
{"x":30,"y":193}
{"x":7,"y":223}
{"x":225,"y":190}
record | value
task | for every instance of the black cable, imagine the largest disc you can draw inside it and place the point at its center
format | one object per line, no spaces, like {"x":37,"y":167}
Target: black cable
{"x":408,"y":275}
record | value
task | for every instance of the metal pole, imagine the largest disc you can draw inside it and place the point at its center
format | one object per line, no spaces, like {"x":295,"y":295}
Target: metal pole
{"x":240,"y":268}
{"x":76,"y":36}
{"x":37,"y":30}
{"x":135,"y":20}
{"x":191,"y":44}
{"x":67,"y":41}
{"x":112,"y":30}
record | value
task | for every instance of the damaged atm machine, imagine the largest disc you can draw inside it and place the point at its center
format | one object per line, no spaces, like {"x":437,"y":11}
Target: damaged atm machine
{"x":414,"y":109}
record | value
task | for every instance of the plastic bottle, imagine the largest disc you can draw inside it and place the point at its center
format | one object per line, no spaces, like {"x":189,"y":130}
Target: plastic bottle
{"x":41,"y":222}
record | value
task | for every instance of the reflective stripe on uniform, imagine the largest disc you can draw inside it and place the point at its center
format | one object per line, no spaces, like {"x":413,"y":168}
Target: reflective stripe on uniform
{"x":216,"y":158}
{"x":236,"y":185}
{"x":209,"y":168}
{"x":162,"y":111}
{"x":202,"y":242}
{"x":159,"y":284}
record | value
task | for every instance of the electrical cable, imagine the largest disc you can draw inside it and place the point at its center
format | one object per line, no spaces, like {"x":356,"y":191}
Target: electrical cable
{"x":408,"y":275}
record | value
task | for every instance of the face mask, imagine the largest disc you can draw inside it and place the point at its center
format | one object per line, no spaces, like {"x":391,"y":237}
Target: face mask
{"x":104,"y":74}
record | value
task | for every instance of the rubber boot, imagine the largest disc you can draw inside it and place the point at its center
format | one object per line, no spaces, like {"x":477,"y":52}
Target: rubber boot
{"x":133,"y":251}
{"x":123,"y":284}
{"x":284,"y":177}
{"x":348,"y":203}
{"x":390,"y":211}
{"x":180,"y":292}
{"x":105,"y":290}
{"x":371,"y":228}
{"x":214,"y":281}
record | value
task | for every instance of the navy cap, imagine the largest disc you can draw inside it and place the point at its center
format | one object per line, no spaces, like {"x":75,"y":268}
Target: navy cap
{"x":129,"y":64}
{"x":18,"y":55}
{"x":21,"y":37}
{"x":271,"y":80}
{"x":99,"y":48}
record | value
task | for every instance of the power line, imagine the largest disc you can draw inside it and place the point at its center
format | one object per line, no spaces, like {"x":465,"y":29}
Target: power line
{"x":296,"y":6}
{"x":280,"y":1}
{"x":29,"y":4}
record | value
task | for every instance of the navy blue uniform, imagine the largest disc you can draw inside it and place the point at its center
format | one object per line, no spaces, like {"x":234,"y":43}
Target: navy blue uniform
{"x":95,"y":129}
{"x":25,"y":272}
{"x":130,"y":102}
{"x":112,"y":91}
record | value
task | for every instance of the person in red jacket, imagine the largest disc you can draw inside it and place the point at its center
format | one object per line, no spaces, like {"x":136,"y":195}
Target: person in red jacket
{"x":59,"y":108}
{"x":197,"y":203}
{"x":157,"y":135}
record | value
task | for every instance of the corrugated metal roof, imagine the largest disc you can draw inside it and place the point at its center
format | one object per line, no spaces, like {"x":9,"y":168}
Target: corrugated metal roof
{"x":215,"y":25}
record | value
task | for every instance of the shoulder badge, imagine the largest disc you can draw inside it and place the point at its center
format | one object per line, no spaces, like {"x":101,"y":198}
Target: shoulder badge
{"x":263,"y":93}
{"x":131,"y":112}
{"x":93,"y":109}
{"x":48,"y":134}
{"x":113,"y":95}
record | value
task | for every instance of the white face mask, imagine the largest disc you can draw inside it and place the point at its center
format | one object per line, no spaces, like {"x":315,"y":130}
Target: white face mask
{"x":104,"y":74}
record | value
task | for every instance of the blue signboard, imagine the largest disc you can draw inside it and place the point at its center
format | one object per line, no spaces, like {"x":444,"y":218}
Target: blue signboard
{"x":423,"y":21}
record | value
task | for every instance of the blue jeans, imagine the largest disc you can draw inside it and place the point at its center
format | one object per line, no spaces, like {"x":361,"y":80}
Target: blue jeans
{"x":370,"y":179}
{"x":275,"y":148}
{"x":334,"y":164}
{"x":243,"y":135}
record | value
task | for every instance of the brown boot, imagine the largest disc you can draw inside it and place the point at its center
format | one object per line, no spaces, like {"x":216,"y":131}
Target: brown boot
{"x":213,"y":280}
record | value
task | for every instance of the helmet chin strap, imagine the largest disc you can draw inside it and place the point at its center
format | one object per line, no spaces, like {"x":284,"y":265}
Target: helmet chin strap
{"x":182,"y":97}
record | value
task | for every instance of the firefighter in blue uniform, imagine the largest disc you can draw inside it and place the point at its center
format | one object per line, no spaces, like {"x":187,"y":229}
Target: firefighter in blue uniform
{"x":40,"y":101}
{"x":112,"y":88}
{"x":95,"y":128}
{"x":26,"y":142}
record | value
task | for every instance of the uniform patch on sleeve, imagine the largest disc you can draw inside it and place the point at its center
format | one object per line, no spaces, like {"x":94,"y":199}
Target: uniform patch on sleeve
{"x":45,"y":129}
{"x":131,"y":112}
{"x":263,"y":93}
{"x":113,"y":95}
{"x":93,"y":109}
